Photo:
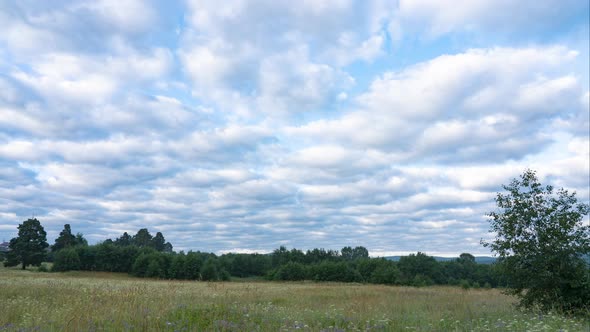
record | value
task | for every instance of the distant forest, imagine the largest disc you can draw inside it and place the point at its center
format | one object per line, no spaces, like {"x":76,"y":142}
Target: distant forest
{"x":144,"y":255}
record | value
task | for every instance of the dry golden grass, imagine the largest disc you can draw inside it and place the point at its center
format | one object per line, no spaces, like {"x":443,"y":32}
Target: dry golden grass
{"x":83,"y":301}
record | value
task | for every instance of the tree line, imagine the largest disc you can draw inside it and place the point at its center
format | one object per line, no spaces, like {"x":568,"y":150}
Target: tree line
{"x":541,"y":240}
{"x":144,"y":255}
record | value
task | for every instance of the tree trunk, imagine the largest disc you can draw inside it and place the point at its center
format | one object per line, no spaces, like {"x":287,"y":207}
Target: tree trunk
{"x":24,"y":265}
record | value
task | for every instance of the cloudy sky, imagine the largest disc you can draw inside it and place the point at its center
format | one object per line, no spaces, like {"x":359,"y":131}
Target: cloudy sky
{"x":245,"y":125}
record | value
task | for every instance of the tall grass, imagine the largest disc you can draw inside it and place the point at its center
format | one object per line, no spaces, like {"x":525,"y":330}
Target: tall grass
{"x":81,"y":301}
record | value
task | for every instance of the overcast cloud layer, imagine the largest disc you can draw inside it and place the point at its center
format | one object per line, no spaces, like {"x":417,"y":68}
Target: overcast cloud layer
{"x":245,"y":125}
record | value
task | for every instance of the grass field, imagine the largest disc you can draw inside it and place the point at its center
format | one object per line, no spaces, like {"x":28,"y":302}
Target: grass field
{"x":84,"y":301}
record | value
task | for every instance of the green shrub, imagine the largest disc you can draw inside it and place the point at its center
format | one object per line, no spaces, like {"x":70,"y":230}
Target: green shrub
{"x":385,"y":274}
{"x":209,"y":271}
{"x":66,"y":259}
{"x":154,"y":270}
{"x":464,"y":284}
{"x":421,"y":280}
{"x":224,"y":275}
{"x":290,"y":271}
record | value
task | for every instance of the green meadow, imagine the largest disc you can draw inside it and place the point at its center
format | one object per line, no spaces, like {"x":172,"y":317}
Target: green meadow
{"x":99,"y":301}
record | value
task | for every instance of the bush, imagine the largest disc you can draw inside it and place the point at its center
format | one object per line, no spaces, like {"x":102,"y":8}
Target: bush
{"x":66,"y":260}
{"x":464,"y":284}
{"x":87,"y":255}
{"x":176,"y":270}
{"x":224,"y":275}
{"x":42,"y":268}
{"x":290,"y":271}
{"x":421,"y":280}
{"x":192,"y":266}
{"x":385,"y":274}
{"x":154,"y":270}
{"x":209,"y":270}
{"x":140,"y":266}
{"x":335,"y":271}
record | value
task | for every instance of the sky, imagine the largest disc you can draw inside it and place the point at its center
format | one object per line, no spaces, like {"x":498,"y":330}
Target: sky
{"x":241,"y":126}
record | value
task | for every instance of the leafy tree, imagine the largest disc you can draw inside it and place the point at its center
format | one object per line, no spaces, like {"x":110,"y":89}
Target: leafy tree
{"x":319,"y":255}
{"x":385,"y":273}
{"x":80,"y":240}
{"x":143,"y":238}
{"x":176,"y":270}
{"x":350,"y":254}
{"x":282,"y":256}
{"x":65,"y":239}
{"x":87,"y":256}
{"x":158,"y":242}
{"x":290,"y":271}
{"x":192,"y":265}
{"x":141,"y":265}
{"x":334,"y":271}
{"x":421,"y":280}
{"x":366,"y":267}
{"x":422,"y":265}
{"x":66,"y":259}
{"x":466,"y":258}
{"x":28,"y":248}
{"x":346,"y":253}
{"x":224,"y":275}
{"x":541,"y":243}
{"x":360,"y":253}
{"x":154,"y":269}
{"x":168,"y":247}
{"x":209,"y":271}
{"x":124,"y":240}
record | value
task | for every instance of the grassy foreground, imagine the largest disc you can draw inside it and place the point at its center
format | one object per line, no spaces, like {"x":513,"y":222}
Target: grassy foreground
{"x":81,"y":301}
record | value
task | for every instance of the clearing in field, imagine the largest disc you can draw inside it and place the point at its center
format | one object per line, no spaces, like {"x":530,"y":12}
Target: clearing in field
{"x":84,"y":301}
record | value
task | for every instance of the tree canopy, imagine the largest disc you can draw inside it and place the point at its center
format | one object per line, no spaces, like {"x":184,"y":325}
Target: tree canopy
{"x":541,"y":243}
{"x":28,"y":248}
{"x":65,"y":239}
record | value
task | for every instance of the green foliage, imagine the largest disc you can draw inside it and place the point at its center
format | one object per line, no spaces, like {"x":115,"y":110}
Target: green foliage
{"x":224,"y":275}
{"x":42,"y":268}
{"x":140,"y":256}
{"x":421,"y":280}
{"x":87,"y":256}
{"x":143,"y":238}
{"x":290,"y":271}
{"x":334,"y":271}
{"x":158,"y":242}
{"x":282,"y":256}
{"x":80,"y":240}
{"x":541,"y":242}
{"x":246,"y":265}
{"x":141,"y":265}
{"x":464,"y":284}
{"x":351,"y":254}
{"x":209,"y":271}
{"x":66,"y":260}
{"x":154,"y":269}
{"x":28,"y":248}
{"x":124,"y":240}
{"x":366,"y":267}
{"x":65,"y":239}
{"x":385,"y":273}
{"x":419,"y":264}
{"x":192,"y":265}
{"x":177,"y":266}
